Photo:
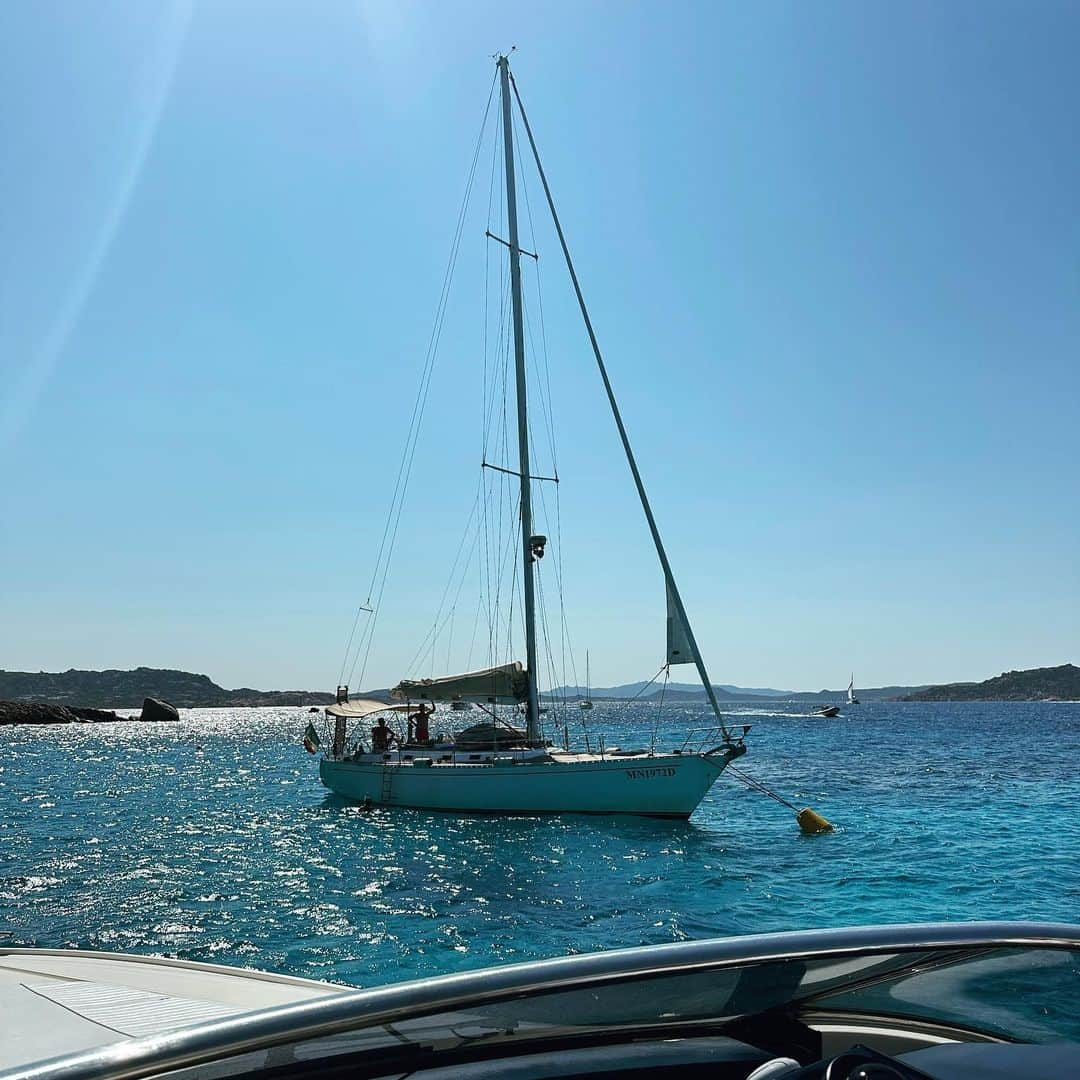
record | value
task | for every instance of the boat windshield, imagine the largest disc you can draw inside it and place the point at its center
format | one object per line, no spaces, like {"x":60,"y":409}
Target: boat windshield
{"x":1026,"y":994}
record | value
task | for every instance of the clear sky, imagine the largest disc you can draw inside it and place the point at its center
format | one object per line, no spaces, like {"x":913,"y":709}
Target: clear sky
{"x":831,"y":252}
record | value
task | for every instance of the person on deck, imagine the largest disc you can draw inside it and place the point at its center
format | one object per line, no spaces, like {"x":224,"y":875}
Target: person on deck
{"x":380,"y":736}
{"x":422,"y":734}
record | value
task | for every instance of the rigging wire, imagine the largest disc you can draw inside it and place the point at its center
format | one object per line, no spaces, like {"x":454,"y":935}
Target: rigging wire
{"x":499,"y":489}
{"x":549,"y":653}
{"x":389,"y":536}
{"x":476,"y":624}
{"x":543,"y":611}
{"x":503,"y":291}
{"x":432,"y":634}
{"x":449,"y":618}
{"x":639,"y":483}
{"x":630,"y":701}
{"x":512,"y":596}
{"x":664,"y":670}
{"x":566,"y":645}
{"x":660,"y":706}
{"x":548,"y":408}
{"x":547,"y":517}
{"x":494,"y":486}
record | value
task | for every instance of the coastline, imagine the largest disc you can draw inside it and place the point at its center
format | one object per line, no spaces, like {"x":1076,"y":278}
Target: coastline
{"x":13,"y":713}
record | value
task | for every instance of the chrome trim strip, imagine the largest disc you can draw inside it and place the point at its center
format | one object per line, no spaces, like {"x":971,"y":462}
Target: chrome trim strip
{"x":331,"y":1015}
{"x":889,"y":1032}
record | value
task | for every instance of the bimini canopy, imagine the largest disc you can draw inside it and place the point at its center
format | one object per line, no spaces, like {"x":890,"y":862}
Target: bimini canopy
{"x":361,"y":707}
{"x":505,"y":685}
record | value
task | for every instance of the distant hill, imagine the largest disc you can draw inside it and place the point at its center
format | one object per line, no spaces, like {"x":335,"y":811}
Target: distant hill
{"x":110,"y":689}
{"x":102,"y":689}
{"x":752,"y":691}
{"x":695,"y":692}
{"x":629,"y":690}
{"x":864,"y":693}
{"x":1038,"y":684}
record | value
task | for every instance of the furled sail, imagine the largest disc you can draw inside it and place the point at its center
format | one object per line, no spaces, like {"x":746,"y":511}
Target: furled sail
{"x":504,"y":685}
{"x":359,"y":707}
{"x":678,"y":638}
{"x":489,"y":736}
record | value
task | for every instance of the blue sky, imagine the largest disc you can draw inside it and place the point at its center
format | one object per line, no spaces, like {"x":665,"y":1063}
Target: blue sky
{"x":830,"y":251}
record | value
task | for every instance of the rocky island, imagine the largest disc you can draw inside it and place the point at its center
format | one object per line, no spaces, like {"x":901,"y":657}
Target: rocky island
{"x":1060,"y":683}
{"x":38,"y":712}
{"x":112,"y":688}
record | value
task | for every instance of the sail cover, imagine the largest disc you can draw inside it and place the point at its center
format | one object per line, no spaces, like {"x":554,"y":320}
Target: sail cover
{"x":678,"y":640}
{"x":503,"y":685}
{"x":489,"y":736}
{"x":361,"y":707}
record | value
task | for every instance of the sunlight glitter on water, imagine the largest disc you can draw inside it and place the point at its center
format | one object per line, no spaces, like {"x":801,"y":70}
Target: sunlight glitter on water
{"x":127,"y":837}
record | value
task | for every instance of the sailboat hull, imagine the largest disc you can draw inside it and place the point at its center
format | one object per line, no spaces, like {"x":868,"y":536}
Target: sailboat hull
{"x":669,"y":786}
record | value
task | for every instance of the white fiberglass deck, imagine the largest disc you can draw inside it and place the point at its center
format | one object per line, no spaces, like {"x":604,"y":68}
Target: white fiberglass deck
{"x":58,"y":1002}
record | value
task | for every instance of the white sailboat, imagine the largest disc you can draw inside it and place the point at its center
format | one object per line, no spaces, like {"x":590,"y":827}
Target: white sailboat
{"x":851,"y":698}
{"x":494,"y":767}
{"x":587,"y":702}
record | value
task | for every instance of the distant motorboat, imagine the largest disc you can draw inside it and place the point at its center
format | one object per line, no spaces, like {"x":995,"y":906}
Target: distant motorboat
{"x":460,"y":706}
{"x":851,"y":698}
{"x":829,"y":710}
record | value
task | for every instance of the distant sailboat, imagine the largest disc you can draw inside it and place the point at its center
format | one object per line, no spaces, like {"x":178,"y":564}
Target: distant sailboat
{"x":587,"y":703}
{"x":851,"y":698}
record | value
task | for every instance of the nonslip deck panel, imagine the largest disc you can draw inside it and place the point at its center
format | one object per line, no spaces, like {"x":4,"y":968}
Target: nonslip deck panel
{"x":128,"y":1011}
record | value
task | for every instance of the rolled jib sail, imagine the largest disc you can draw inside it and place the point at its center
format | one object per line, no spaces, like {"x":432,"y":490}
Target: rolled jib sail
{"x":679,"y":650}
{"x":504,"y":685}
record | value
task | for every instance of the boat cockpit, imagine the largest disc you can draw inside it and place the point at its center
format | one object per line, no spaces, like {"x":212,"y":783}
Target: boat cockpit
{"x":945,"y":1001}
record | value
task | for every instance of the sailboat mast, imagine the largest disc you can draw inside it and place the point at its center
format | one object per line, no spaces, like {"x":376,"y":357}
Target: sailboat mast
{"x":669,"y":577}
{"x":532,"y":728}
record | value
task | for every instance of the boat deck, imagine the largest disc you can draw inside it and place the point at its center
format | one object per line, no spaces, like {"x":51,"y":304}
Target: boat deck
{"x":59,"y":1002}
{"x":441,"y":757}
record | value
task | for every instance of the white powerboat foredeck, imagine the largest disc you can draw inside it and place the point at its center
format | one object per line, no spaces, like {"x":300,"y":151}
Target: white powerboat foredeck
{"x":59,"y":1001}
{"x":962,"y":1001}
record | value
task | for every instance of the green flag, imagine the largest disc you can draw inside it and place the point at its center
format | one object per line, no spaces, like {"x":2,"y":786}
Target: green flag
{"x":311,"y":738}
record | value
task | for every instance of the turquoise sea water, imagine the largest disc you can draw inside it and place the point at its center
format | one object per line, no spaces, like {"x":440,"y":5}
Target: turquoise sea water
{"x":131,"y":838}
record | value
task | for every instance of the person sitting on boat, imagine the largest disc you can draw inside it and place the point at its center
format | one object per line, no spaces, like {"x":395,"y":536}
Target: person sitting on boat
{"x":422,"y":734}
{"x":381,"y":736}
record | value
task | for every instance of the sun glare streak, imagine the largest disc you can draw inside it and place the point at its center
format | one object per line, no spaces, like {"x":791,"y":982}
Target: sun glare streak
{"x":152,"y":82}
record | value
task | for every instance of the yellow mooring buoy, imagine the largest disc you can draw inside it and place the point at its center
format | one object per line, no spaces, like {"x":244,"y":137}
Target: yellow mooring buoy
{"x":811,"y":822}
